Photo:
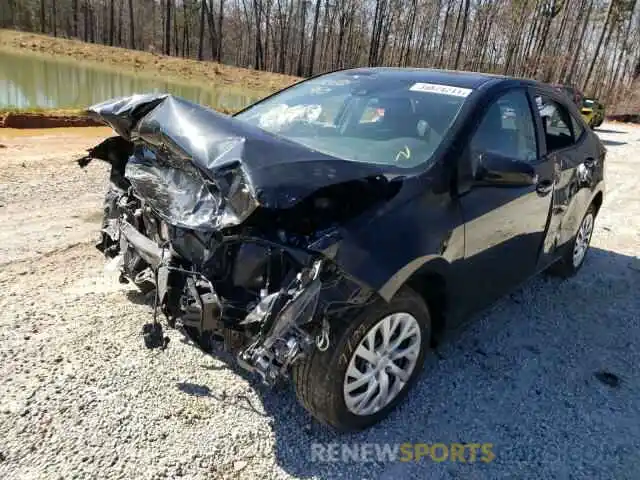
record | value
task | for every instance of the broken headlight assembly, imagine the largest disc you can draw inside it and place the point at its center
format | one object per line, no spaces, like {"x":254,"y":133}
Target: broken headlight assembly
{"x":282,"y":340}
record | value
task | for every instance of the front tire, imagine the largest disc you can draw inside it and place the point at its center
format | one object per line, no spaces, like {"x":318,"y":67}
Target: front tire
{"x":370,"y":366}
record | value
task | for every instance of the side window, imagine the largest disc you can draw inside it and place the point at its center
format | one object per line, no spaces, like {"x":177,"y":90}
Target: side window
{"x":507,"y":129}
{"x":557,"y":124}
{"x":578,"y":129}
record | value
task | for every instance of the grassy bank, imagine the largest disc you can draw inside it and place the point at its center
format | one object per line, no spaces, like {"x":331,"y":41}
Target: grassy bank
{"x":50,"y":118}
{"x":44,"y":118}
{"x":151,"y":64}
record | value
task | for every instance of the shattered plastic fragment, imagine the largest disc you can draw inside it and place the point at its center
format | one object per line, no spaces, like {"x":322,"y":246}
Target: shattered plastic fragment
{"x":282,"y":115}
{"x":114,"y":264}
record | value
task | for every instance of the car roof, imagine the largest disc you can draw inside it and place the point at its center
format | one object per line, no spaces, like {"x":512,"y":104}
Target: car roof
{"x":454,"y":78}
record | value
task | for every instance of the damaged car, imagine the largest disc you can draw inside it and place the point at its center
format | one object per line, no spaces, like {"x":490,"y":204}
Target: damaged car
{"x":330,"y":233}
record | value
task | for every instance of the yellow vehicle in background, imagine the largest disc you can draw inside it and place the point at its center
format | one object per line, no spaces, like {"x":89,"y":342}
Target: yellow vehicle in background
{"x":592,"y":112}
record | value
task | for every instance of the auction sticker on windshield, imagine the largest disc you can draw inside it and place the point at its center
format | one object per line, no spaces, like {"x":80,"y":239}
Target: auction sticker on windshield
{"x":441,"y":89}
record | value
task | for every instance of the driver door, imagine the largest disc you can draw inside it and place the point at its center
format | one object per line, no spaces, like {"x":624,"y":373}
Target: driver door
{"x":505,"y":225}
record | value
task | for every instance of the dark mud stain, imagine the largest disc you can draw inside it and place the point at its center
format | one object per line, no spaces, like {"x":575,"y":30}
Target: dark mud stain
{"x":608,"y":378}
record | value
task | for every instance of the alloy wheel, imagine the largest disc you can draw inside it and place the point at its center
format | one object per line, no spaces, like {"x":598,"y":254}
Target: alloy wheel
{"x":382,"y":363}
{"x":583,"y":238}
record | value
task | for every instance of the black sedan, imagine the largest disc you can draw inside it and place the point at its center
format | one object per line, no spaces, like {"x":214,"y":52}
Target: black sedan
{"x":330,"y":232}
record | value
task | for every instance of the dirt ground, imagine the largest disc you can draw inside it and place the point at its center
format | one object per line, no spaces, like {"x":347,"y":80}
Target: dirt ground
{"x":81,"y":397}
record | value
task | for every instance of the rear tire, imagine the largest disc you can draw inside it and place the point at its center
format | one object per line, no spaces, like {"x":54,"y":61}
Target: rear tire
{"x":574,"y":256}
{"x":346,"y":401}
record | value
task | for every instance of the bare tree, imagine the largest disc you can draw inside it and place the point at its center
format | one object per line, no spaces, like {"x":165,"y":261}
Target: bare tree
{"x":54,"y":20}
{"x":132,"y":29}
{"x":42,"y":16}
{"x":574,"y":62}
{"x":597,"y":50}
{"x":167,"y":27}
{"x":464,"y":28}
{"x":220,"y":23}
{"x":112,"y":21}
{"x":314,"y":38}
{"x":203,"y":10}
{"x":594,"y":44}
{"x":74,"y":15}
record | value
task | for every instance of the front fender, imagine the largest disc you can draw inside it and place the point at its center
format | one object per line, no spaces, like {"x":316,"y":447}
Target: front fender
{"x":387,"y":251}
{"x":429,"y":264}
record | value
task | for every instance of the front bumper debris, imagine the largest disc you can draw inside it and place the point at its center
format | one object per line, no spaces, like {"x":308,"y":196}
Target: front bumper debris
{"x":280,"y":342}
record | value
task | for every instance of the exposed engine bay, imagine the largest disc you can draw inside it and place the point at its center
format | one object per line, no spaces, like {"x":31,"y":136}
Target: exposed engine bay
{"x":234,"y":249}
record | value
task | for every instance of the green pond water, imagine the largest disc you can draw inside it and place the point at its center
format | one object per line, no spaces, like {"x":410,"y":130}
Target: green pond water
{"x":29,"y":81}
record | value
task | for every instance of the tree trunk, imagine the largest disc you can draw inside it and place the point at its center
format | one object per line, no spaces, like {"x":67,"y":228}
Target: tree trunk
{"x":154,"y":24}
{"x":374,"y":48}
{"x":176,"y":42}
{"x":257,"y":12}
{"x":314,"y":37}
{"x":464,"y":29}
{"x":624,"y":41}
{"x":92,"y":24}
{"x":267,"y":32}
{"x":552,"y":13}
{"x":572,"y":68}
{"x":186,"y":47}
{"x":441,"y":44}
{"x":220,"y":21}
{"x":54,"y":20}
{"x":212,"y":31}
{"x":86,"y":20}
{"x":455,"y":33}
{"x":74,"y":17}
{"x":132,"y":30}
{"x":42,"y":17}
{"x":600,"y":40}
{"x":112,"y":21}
{"x":324,"y":41}
{"x":572,"y":41}
{"x":303,"y":19}
{"x":514,"y":42}
{"x":167,"y":28}
{"x":203,"y":7}
{"x":606,"y":44}
{"x":551,"y":68}
{"x":120,"y":22}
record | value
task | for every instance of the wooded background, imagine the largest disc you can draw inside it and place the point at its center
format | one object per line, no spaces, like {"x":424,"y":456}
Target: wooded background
{"x":592,"y":44}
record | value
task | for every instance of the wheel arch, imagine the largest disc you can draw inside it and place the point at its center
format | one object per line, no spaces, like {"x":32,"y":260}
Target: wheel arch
{"x":597,"y":200}
{"x":428,"y":277}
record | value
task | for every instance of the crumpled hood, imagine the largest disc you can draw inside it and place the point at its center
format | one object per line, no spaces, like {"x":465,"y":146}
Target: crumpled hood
{"x":203,"y":170}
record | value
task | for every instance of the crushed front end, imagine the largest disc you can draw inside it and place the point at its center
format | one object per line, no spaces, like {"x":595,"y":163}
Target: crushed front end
{"x":195,"y":215}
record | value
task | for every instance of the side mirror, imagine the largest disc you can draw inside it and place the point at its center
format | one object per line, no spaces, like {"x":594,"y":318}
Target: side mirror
{"x":497,"y":170}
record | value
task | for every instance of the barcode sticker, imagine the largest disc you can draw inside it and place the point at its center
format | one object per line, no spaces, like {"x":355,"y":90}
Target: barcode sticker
{"x":441,"y":89}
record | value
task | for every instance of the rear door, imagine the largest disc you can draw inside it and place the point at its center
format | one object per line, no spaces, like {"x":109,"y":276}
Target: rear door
{"x":568,"y":146}
{"x":504,"y":225}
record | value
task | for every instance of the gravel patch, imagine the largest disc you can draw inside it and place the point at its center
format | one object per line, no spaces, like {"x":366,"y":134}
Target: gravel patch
{"x":548,"y":375}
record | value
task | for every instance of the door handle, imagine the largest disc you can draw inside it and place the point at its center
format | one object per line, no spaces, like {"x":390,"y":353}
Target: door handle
{"x":544,"y":186}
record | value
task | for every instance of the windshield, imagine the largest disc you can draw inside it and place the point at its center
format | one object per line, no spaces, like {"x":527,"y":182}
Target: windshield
{"x":372,"y":118}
